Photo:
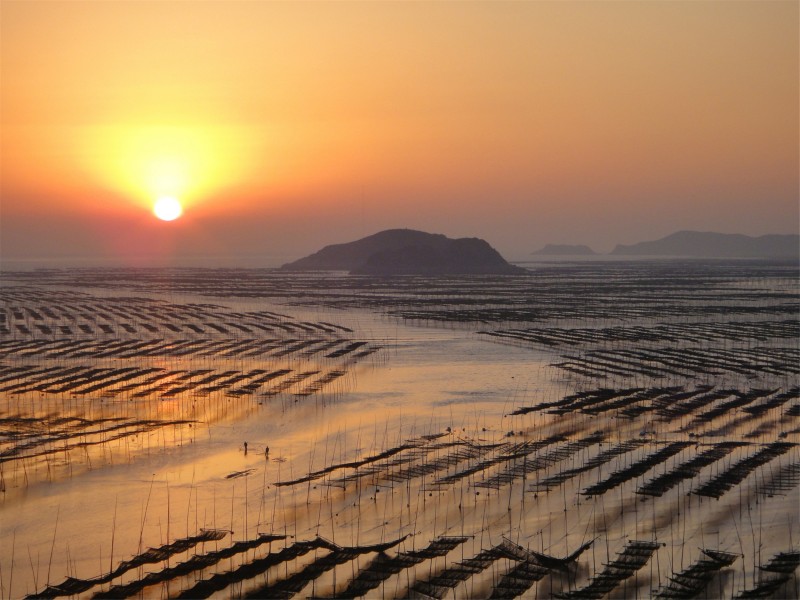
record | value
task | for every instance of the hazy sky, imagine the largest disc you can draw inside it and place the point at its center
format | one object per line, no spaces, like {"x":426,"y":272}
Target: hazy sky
{"x":285,"y":126}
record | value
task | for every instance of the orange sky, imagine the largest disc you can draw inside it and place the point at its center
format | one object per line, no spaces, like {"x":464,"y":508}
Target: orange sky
{"x":286,"y":126}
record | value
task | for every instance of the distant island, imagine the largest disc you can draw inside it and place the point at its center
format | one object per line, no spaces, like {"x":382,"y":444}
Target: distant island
{"x":408,"y":252}
{"x":698,"y":244}
{"x":565,"y":250}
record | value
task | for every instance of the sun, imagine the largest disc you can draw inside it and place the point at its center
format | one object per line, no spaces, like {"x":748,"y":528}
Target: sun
{"x":167,"y":208}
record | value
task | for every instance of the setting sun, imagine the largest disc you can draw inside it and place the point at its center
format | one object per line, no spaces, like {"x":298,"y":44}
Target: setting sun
{"x":167,"y":208}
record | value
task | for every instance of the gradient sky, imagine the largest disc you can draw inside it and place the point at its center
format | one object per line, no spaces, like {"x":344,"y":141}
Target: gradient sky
{"x":285,"y":126}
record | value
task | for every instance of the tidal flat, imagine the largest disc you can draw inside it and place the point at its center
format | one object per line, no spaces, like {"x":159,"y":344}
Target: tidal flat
{"x":598,"y":429}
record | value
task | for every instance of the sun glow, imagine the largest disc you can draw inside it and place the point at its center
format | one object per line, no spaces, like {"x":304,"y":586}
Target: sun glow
{"x":192,"y":163}
{"x":167,"y":208}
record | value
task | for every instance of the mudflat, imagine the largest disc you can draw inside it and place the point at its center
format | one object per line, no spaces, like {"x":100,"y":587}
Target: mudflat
{"x":604,"y":429}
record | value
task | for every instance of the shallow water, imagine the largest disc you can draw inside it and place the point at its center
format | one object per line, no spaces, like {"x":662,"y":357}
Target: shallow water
{"x":63,"y":513}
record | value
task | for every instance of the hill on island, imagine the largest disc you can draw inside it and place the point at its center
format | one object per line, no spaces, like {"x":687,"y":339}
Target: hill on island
{"x":408,"y":252}
{"x":698,"y":244}
{"x":565,"y":250}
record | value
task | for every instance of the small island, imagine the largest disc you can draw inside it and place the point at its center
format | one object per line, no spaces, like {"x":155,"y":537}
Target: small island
{"x":408,"y":252}
{"x":565,"y":250}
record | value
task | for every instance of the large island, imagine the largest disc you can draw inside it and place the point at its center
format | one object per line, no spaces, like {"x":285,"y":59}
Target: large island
{"x":408,"y":252}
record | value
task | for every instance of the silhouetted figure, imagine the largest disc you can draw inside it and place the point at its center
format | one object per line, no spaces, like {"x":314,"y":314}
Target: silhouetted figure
{"x":266,"y":451}
{"x":245,"y":447}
